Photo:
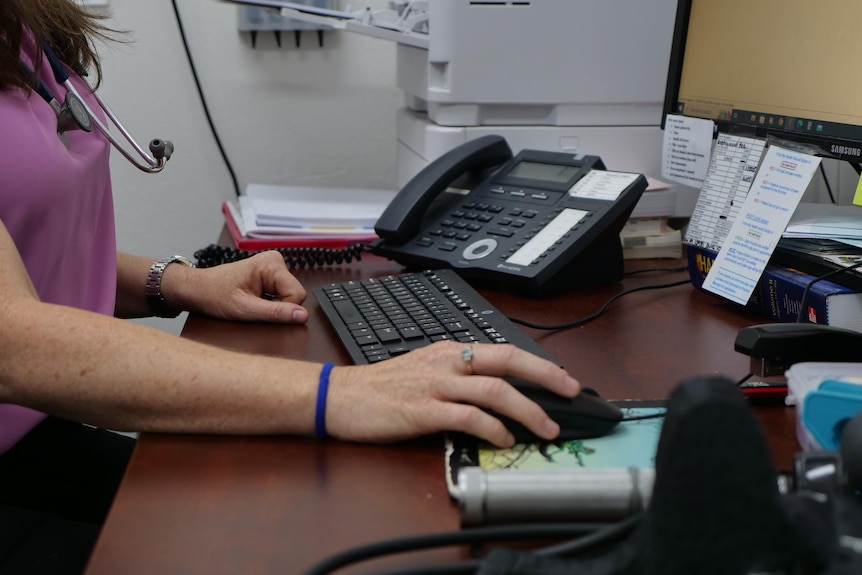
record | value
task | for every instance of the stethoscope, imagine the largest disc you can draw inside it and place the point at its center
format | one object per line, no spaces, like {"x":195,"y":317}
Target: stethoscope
{"x":74,"y":114}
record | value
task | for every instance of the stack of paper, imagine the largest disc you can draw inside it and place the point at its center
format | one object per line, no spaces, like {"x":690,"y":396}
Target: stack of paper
{"x":647,"y":238}
{"x":663,"y":199}
{"x":843,"y":223}
{"x":295,"y":215}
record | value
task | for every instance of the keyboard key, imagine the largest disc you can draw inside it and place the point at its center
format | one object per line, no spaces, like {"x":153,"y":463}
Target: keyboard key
{"x":387,"y":335}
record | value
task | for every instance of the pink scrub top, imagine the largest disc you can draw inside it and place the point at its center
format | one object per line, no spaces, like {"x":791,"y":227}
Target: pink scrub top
{"x":56,"y":203}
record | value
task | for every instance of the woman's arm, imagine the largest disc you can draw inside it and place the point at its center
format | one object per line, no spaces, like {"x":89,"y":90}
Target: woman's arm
{"x":230,"y":291}
{"x":105,"y":371}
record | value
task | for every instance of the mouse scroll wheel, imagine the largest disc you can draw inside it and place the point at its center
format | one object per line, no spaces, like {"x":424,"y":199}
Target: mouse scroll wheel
{"x":590,"y":391}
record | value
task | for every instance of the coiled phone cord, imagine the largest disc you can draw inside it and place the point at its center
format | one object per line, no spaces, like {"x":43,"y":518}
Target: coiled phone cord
{"x":295,"y":257}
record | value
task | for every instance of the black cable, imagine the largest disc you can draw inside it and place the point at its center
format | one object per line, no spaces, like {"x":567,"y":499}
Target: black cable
{"x":648,"y":270}
{"x":801,"y":313}
{"x":295,"y":257}
{"x":464,"y":568}
{"x":826,"y":182}
{"x":642,"y":417}
{"x":473,"y":536}
{"x":599,"y":537}
{"x":744,"y":379}
{"x":203,"y":98}
{"x":600,"y":311}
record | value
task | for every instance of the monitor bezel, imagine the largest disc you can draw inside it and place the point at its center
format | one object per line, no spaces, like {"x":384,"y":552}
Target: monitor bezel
{"x":847,"y":149}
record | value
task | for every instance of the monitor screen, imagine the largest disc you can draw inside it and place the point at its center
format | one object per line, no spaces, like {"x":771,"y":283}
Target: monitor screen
{"x":782,"y":67}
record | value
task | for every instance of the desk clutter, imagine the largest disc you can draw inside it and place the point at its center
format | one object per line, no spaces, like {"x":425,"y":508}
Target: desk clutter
{"x":786,"y":294}
{"x":715,"y":507}
{"x":827,"y":395}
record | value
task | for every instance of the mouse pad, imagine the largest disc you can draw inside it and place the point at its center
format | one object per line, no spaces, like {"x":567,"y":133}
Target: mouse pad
{"x":630,"y":444}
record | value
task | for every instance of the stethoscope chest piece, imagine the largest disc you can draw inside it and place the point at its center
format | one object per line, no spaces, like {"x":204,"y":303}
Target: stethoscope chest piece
{"x":73,"y":115}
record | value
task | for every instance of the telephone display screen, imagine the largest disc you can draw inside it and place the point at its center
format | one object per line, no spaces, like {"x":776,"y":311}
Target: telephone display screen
{"x":543,"y":172}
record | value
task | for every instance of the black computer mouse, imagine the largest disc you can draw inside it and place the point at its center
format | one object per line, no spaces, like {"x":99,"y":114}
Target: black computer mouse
{"x":581,"y":417}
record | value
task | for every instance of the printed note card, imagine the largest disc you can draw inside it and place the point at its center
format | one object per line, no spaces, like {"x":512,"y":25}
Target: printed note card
{"x":686,"y":149}
{"x":778,"y":186}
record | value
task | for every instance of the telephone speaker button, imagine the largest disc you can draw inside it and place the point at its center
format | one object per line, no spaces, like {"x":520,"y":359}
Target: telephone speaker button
{"x":480,"y":249}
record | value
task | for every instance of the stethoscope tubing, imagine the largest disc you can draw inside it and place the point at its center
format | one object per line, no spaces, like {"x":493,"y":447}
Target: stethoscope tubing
{"x":152,"y":164}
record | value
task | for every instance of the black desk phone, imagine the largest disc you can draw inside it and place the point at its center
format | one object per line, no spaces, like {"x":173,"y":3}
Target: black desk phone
{"x":536,"y":222}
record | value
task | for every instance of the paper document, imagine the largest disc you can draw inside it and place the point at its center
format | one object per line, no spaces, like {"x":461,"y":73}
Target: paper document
{"x":728,"y":179}
{"x":777,"y":189}
{"x":310,"y":208}
{"x":686,"y":149}
{"x":825,"y":221}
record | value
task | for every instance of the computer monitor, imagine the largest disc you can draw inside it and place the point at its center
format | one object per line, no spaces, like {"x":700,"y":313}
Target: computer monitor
{"x":787,"y":68}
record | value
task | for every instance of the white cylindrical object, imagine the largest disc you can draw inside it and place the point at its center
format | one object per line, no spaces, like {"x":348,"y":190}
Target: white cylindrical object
{"x":506,"y":495}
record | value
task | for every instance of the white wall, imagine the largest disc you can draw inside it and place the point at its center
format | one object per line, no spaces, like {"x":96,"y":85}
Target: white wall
{"x":315,"y":116}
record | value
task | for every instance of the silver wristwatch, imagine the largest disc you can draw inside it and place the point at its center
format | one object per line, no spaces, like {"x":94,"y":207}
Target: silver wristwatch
{"x":153,"y":290}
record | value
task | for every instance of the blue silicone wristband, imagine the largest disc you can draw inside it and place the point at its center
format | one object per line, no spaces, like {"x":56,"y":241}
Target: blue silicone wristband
{"x":320,"y":410}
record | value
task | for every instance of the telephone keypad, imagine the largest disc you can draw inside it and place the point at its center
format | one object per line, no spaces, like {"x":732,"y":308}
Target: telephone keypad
{"x":464,"y":223}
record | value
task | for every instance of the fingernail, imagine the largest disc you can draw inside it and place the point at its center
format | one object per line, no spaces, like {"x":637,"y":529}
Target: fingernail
{"x":510,"y":441}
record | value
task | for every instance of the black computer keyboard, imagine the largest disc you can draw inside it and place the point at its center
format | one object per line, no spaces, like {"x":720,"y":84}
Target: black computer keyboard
{"x":379,"y":318}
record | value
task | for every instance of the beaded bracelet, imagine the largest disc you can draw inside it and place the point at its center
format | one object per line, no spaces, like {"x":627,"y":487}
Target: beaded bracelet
{"x":320,"y":410}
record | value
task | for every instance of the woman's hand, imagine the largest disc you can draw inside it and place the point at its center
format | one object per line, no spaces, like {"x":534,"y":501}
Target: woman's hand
{"x":431,"y":389}
{"x":259,"y":288}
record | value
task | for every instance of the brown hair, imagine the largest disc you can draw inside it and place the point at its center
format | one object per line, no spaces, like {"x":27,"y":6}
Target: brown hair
{"x":63,"y":24}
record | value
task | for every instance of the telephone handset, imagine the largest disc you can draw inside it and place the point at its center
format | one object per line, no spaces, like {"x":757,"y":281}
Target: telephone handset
{"x":537,"y":221}
{"x":402,"y":218}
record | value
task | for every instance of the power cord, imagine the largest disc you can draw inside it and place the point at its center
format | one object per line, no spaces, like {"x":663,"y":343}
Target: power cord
{"x":588,"y":536}
{"x":203,"y":99}
{"x":826,"y":183}
{"x":598,"y":312}
{"x":295,"y":257}
{"x":652,"y":270}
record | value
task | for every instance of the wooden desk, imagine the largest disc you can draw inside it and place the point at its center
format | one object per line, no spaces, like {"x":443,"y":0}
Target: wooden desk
{"x":228,"y":505}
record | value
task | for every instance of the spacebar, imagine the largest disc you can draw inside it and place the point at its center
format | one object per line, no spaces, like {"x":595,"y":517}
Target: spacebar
{"x":347,"y":311}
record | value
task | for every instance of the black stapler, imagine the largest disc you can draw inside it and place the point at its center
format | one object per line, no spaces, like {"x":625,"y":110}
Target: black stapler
{"x":774,"y":347}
